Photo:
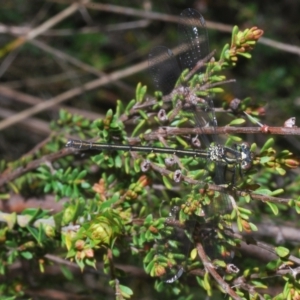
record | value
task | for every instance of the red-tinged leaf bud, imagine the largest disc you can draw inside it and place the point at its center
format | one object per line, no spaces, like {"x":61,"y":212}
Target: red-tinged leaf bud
{"x":99,"y":187}
{"x":153,"y":229}
{"x":89,"y":253}
{"x":291,"y":163}
{"x":210,"y":192}
{"x":26,"y":246}
{"x":261,"y":111}
{"x":79,"y":245}
{"x":18,"y":287}
{"x":241,"y":49}
{"x":143,"y":181}
{"x":80,"y":255}
{"x":202,"y":191}
{"x":246,"y":226}
{"x":256,"y":32}
{"x":131,"y":195}
{"x":159,"y":270}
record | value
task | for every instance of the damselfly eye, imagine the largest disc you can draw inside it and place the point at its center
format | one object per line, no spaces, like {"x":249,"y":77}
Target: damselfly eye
{"x":246,"y":165}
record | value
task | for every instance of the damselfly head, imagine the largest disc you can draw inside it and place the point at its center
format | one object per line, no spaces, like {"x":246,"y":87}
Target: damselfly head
{"x":247,"y":156}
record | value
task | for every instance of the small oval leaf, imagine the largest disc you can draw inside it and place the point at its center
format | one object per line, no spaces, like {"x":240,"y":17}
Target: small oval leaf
{"x":282,"y":251}
{"x":238,"y":121}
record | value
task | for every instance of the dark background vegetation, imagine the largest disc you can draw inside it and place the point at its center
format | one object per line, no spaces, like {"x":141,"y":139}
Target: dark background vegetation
{"x":101,"y":39}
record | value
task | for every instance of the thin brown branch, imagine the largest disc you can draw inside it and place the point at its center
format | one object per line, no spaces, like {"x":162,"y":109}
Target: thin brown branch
{"x":166,"y":131}
{"x":212,"y":271}
{"x":23,"y":30}
{"x":33,"y":124}
{"x":9,"y":175}
{"x":65,"y":57}
{"x":33,"y":33}
{"x":174,"y":19}
{"x":249,"y":240}
{"x":213,"y":187}
{"x":33,"y":100}
{"x":72,"y":93}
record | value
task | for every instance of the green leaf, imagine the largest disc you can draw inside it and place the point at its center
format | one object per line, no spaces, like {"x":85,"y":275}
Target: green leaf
{"x":129,"y":106}
{"x":194,"y":253}
{"x":206,"y":283}
{"x":259,"y":284}
{"x":273,"y":207}
{"x":108,"y":203}
{"x":277,"y":192}
{"x":26,"y":254}
{"x":167,"y":182}
{"x":244,"y":210}
{"x":138,"y":127}
{"x":67,"y":272}
{"x":34,"y":232}
{"x":237,"y":122}
{"x":235,"y":138}
{"x":118,"y":162}
{"x":82,"y":174}
{"x":282,"y":251}
{"x":239,"y":224}
{"x":263,"y":192}
{"x":126,"y":291}
{"x":274,"y":264}
{"x":225,"y":53}
{"x":235,"y":31}
{"x":140,"y":92}
{"x":148,"y":219}
{"x":245,"y":54}
{"x":280,"y":170}
{"x":297,"y":206}
{"x":216,"y":90}
{"x":253,"y":227}
{"x":10,"y":219}
{"x":159,"y":286}
{"x":268,"y":144}
{"x":149,"y":267}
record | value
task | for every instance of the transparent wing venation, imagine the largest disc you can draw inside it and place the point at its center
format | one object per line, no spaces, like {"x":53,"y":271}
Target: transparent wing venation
{"x":192,"y":39}
{"x":163,"y":68}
